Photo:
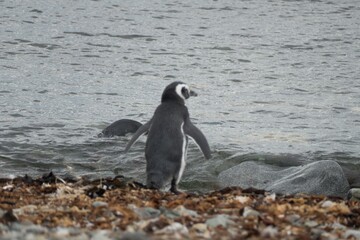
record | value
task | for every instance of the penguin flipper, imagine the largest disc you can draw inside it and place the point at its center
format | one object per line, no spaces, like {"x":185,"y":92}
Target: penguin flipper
{"x":192,"y":131}
{"x":142,"y":130}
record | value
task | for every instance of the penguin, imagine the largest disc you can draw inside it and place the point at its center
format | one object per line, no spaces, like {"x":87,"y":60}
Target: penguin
{"x":168,"y":132}
{"x":120,"y":128}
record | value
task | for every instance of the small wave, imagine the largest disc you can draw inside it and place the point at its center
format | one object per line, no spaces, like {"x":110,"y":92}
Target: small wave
{"x":222,"y":48}
{"x":90,"y":56}
{"x":108,"y":94}
{"x":236,"y":80}
{"x":126,"y":36}
{"x":244,"y":60}
{"x":212,"y":123}
{"x":130,"y":36}
{"x":169,"y":76}
{"x":81,"y":34}
{"x":297,"y":47}
{"x":22,"y":40}
{"x":48,"y":46}
{"x":16,"y":115}
{"x":226,"y":9}
{"x":327,"y":40}
{"x":10,"y":42}
{"x":36,"y":11}
{"x":207,"y":8}
{"x":268,"y":102}
{"x":102,"y":45}
{"x":299,"y":90}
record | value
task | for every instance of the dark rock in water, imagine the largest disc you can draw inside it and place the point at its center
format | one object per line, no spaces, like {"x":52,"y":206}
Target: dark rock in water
{"x":27,"y":179}
{"x":353,"y":176}
{"x":120,"y":128}
{"x":320,"y":178}
{"x":48,"y":178}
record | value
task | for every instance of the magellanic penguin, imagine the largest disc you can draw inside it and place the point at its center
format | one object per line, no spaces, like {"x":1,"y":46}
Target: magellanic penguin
{"x":168,"y":131}
{"x":120,"y":128}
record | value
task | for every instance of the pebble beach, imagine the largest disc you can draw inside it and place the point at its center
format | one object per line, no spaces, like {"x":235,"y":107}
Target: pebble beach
{"x":119,"y":208}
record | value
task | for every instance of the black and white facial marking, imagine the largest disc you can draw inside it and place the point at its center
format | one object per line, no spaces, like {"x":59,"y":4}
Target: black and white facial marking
{"x":183,"y":91}
{"x":177,"y":91}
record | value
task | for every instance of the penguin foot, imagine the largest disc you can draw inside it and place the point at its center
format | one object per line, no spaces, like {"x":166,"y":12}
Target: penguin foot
{"x":174,"y":189}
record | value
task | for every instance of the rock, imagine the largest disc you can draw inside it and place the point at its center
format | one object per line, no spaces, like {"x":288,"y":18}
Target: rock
{"x":270,"y":198}
{"x":182,"y":211}
{"x":200,"y":230}
{"x":328,"y":236}
{"x":317,"y":233}
{"x":80,"y":236}
{"x":219,"y":220}
{"x":2,"y":212}
{"x":3,"y":227}
{"x":354,"y":194}
{"x":340,"y":208}
{"x":327,"y":204}
{"x":133,"y":236}
{"x":147,"y":212}
{"x":36,"y":229}
{"x":27,"y":208}
{"x":101,"y":235}
{"x":352,"y":233}
{"x":269,"y":232}
{"x":243,"y":199}
{"x":18,"y":227}
{"x":249,"y":212}
{"x":320,"y":178}
{"x":169,"y":213}
{"x":32,"y":236}
{"x":199,"y":227}
{"x":9,"y":217}
{"x":97,"y":204}
{"x":174,"y":228}
{"x":62,"y":232}
{"x":293,"y":219}
{"x":352,"y":175}
{"x":337,"y":225}
{"x":311,"y":224}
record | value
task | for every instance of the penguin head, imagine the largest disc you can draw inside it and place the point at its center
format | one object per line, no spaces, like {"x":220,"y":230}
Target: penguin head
{"x":177,"y":91}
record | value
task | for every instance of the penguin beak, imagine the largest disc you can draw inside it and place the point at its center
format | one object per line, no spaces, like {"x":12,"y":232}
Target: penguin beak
{"x":193,"y":94}
{"x":188,"y":93}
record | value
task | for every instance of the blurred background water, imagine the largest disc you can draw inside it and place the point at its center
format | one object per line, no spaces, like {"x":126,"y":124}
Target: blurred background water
{"x":278,"y":82}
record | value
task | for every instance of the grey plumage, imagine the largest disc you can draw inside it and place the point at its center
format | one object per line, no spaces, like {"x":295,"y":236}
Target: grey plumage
{"x":120,"y":128}
{"x":168,"y":132}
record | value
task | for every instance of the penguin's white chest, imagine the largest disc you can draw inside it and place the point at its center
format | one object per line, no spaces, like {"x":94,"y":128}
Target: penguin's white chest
{"x":183,"y":154}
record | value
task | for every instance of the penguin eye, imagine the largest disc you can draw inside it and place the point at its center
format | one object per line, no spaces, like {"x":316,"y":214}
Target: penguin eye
{"x":185,"y":92}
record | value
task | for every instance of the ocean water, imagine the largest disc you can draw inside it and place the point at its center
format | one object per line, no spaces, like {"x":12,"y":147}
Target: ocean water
{"x":277,"y":82}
